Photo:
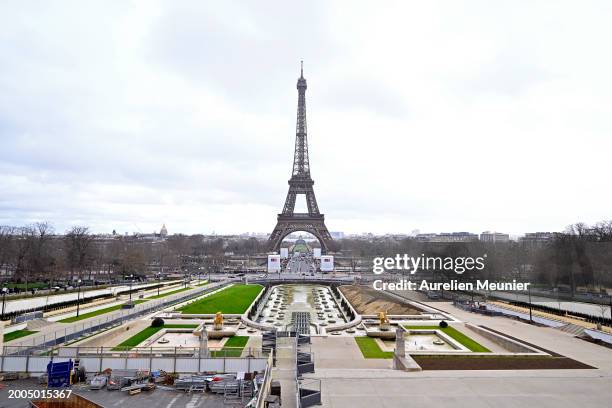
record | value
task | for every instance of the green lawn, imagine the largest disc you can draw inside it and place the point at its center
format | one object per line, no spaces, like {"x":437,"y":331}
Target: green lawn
{"x":457,"y":335}
{"x":370,"y":348}
{"x":233,"y":300}
{"x":232,"y":348}
{"x":17,"y":334}
{"x":161,"y":295}
{"x":148,"y":332}
{"x":31,"y":285}
{"x":203,"y":283}
{"x":98,"y":312}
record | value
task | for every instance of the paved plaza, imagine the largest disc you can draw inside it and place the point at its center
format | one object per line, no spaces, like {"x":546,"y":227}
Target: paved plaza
{"x":368,"y":383}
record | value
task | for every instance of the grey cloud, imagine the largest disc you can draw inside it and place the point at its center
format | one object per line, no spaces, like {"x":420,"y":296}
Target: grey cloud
{"x":121,"y":113}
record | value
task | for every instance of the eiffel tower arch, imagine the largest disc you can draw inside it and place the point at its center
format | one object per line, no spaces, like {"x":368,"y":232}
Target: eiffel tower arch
{"x":301,"y":183}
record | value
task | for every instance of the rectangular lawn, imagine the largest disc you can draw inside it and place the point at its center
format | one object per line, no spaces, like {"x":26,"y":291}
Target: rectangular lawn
{"x":98,"y":312}
{"x":370,"y":349}
{"x":17,"y":334}
{"x":233,"y":300}
{"x":148,"y":332}
{"x":456,"y":335}
{"x":232,"y":348}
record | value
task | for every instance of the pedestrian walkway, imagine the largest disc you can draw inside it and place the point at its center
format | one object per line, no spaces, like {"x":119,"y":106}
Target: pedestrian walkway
{"x":550,"y":316}
{"x":285,"y":370}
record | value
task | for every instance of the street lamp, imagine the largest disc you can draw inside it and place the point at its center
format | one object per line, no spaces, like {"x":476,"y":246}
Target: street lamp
{"x":159,"y":279}
{"x":529,"y":293}
{"x":4,"y":292}
{"x":611,"y":310}
{"x":78,"y":296}
{"x":131,"y":276}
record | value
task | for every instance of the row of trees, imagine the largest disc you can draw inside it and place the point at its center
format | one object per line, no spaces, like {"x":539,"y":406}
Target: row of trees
{"x":37,"y":253}
{"x":580,"y":256}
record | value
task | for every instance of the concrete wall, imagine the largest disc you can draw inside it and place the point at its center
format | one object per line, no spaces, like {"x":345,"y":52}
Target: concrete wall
{"x":505,"y":342}
{"x":348,"y":324}
{"x":114,"y":336}
{"x":251,"y":323}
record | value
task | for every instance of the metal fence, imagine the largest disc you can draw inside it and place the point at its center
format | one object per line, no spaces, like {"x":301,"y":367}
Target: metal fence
{"x":135,"y":352}
{"x":77,"y":330}
{"x":308,"y":393}
{"x":177,"y":364}
{"x":56,"y":301}
{"x":266,"y":383}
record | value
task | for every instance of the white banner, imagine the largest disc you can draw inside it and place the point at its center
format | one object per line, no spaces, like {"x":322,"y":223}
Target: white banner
{"x":274,"y":263}
{"x":327,"y":263}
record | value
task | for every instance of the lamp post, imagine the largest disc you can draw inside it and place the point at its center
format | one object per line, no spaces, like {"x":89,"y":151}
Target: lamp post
{"x":529,"y":293}
{"x":159,"y":281}
{"x":4,"y":292}
{"x":131,"y":276}
{"x":610,"y":310}
{"x":78,"y":296}
{"x":472,"y":292}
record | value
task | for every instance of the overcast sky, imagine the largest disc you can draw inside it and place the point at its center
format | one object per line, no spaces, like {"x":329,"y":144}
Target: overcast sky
{"x":437,"y":116}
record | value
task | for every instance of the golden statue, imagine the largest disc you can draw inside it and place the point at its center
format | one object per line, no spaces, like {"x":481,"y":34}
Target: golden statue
{"x":384,"y":320}
{"x":218,"y":322}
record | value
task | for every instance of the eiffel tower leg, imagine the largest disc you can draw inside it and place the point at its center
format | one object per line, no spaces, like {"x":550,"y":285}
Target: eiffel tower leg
{"x":276,"y":238}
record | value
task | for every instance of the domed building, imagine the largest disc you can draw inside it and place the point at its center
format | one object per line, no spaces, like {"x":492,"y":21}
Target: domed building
{"x":300,"y":246}
{"x":164,"y":231}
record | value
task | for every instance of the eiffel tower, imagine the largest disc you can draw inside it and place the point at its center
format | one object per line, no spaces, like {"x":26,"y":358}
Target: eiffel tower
{"x":301,"y":183}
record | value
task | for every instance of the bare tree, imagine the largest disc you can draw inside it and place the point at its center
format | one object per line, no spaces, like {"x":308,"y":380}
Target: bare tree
{"x":78,"y":247}
{"x":23,"y":240}
{"x":603,"y":231}
{"x":39,"y":257}
{"x":6,"y":248}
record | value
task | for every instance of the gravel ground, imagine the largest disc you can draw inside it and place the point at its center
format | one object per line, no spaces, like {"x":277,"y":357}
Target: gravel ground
{"x":368,"y":301}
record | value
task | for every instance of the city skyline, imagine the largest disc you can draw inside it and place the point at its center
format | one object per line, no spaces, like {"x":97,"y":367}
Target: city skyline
{"x":129,"y":116}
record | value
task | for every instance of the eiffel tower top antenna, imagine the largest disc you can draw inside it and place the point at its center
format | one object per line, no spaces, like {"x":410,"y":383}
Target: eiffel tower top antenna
{"x":301,"y":165}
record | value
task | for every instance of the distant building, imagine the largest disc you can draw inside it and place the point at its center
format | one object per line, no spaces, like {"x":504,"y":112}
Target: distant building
{"x":456,"y":237}
{"x":536,"y":239}
{"x":164,"y":231}
{"x":494,"y":237}
{"x":425,"y":237}
{"x":337,"y":234}
{"x":448,"y":237}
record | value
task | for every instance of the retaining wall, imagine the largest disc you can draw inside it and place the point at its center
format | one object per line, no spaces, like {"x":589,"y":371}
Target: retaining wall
{"x":502,"y":341}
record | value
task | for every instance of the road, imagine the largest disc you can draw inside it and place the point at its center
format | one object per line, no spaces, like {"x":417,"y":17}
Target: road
{"x":301,"y":263}
{"x":576,"y":307}
{"x":34,"y":302}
